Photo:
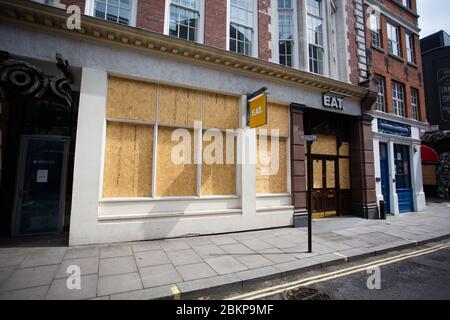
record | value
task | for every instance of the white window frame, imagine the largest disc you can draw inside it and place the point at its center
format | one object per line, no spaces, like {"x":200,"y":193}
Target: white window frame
{"x":201,"y":22}
{"x":276,"y":51}
{"x":415,"y":104}
{"x":374,"y":19}
{"x":398,"y":103}
{"x":381,"y":93}
{"x":410,"y":48}
{"x":325,"y":66}
{"x":396,"y":41}
{"x":90,"y":4}
{"x":255,"y":45}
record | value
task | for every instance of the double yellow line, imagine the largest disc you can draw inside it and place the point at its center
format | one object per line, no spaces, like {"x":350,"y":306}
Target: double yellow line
{"x":336,"y":274}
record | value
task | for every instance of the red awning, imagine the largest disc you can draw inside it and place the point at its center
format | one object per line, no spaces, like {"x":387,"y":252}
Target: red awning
{"x":429,"y":155}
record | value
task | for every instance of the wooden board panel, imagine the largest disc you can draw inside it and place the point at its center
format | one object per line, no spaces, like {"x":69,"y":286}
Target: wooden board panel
{"x":317,"y":174}
{"x":178,"y":106}
{"x":276,"y":183}
{"x":344,"y":174}
{"x":220,"y":111}
{"x":278,"y":118}
{"x":330,"y":174}
{"x":429,"y":175}
{"x":344,"y":149}
{"x":219,"y":179}
{"x":325,"y":144}
{"x":174,"y":179}
{"x":128,"y":160}
{"x":130,"y":99}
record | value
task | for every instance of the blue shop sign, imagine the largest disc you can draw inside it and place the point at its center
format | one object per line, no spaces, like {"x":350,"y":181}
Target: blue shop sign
{"x":390,"y":127}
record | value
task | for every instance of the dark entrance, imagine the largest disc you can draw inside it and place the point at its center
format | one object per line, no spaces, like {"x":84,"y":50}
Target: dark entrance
{"x":385,"y":181}
{"x":38,"y":129}
{"x":330,"y":154}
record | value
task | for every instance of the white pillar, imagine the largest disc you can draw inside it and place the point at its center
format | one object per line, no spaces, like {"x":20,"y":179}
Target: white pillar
{"x":417,"y":179}
{"x":247,"y":162}
{"x":88,"y":156}
{"x":376,"y":157}
{"x":392,"y":186}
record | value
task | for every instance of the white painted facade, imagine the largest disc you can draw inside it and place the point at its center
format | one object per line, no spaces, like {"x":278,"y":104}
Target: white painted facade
{"x":413,"y":144}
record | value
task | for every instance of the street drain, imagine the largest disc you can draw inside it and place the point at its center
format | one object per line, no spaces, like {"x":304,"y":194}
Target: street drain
{"x":305,"y":294}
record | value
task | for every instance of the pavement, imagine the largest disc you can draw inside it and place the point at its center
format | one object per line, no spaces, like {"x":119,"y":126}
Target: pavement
{"x":188,"y":267}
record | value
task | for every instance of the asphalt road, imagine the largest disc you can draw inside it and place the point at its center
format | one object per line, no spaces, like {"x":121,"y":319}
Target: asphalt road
{"x":418,"y":278}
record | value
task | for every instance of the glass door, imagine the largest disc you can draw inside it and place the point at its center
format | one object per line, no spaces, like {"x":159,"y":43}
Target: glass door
{"x":40,"y":190}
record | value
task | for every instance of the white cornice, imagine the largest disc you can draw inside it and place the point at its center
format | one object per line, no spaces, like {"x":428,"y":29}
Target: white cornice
{"x":53,"y":20}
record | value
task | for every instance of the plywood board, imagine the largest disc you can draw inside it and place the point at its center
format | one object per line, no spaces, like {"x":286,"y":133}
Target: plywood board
{"x":128,"y":160}
{"x":317,"y":174}
{"x":220,"y":111}
{"x":278,"y":118}
{"x":331,"y":175}
{"x":344,"y":149}
{"x":178,"y":106}
{"x":219,"y":179}
{"x":174,"y":179}
{"x":130,"y":99}
{"x":277,"y":182}
{"x":344,"y":174}
{"x":325,"y":144}
{"x":429,"y":175}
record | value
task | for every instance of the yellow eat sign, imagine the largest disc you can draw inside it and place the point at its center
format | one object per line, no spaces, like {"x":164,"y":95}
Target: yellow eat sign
{"x":258,"y":111}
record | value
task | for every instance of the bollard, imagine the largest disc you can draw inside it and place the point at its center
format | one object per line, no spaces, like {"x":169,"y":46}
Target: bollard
{"x":382,"y":210}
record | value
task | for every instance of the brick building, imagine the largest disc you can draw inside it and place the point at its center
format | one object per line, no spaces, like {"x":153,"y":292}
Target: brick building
{"x":140,"y":69}
{"x":394,"y":62}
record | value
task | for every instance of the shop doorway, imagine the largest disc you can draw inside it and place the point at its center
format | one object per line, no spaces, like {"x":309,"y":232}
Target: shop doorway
{"x":403,"y":178}
{"x":41,"y":185}
{"x":324,"y":193}
{"x":385,"y":181}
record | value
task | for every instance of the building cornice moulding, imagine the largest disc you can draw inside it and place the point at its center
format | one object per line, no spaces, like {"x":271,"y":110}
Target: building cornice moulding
{"x":394,"y":16}
{"x":53,"y":20}
{"x":391,"y":117}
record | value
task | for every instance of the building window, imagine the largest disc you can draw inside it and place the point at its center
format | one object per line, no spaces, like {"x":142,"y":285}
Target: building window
{"x":398,"y":99}
{"x":406,"y":3}
{"x":375,"y":31}
{"x":315,"y":36}
{"x":118,"y":11}
{"x":381,"y":97}
{"x":415,"y":103}
{"x":410,"y":52}
{"x":393,"y":40}
{"x":184,"y":19}
{"x":241,"y":26}
{"x":286,"y":32}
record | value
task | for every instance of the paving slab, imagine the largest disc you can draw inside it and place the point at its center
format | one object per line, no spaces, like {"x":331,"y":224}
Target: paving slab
{"x":252,"y":261}
{"x":36,"y":293}
{"x":87,"y":266}
{"x":118,"y":265}
{"x":225,"y":264}
{"x":159,"y":275}
{"x":146,"y":246}
{"x":11,"y":259}
{"x":304,"y":265}
{"x":82,"y":252}
{"x":174,"y":244}
{"x":118,"y":284}
{"x":43,"y":257}
{"x":151,"y":258}
{"x":195,"y":271}
{"x":113,"y":251}
{"x":276,"y":255}
{"x":181,"y":257}
{"x":30,"y":277}
{"x":209,"y":251}
{"x":59,"y":290}
{"x":236,"y":249}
